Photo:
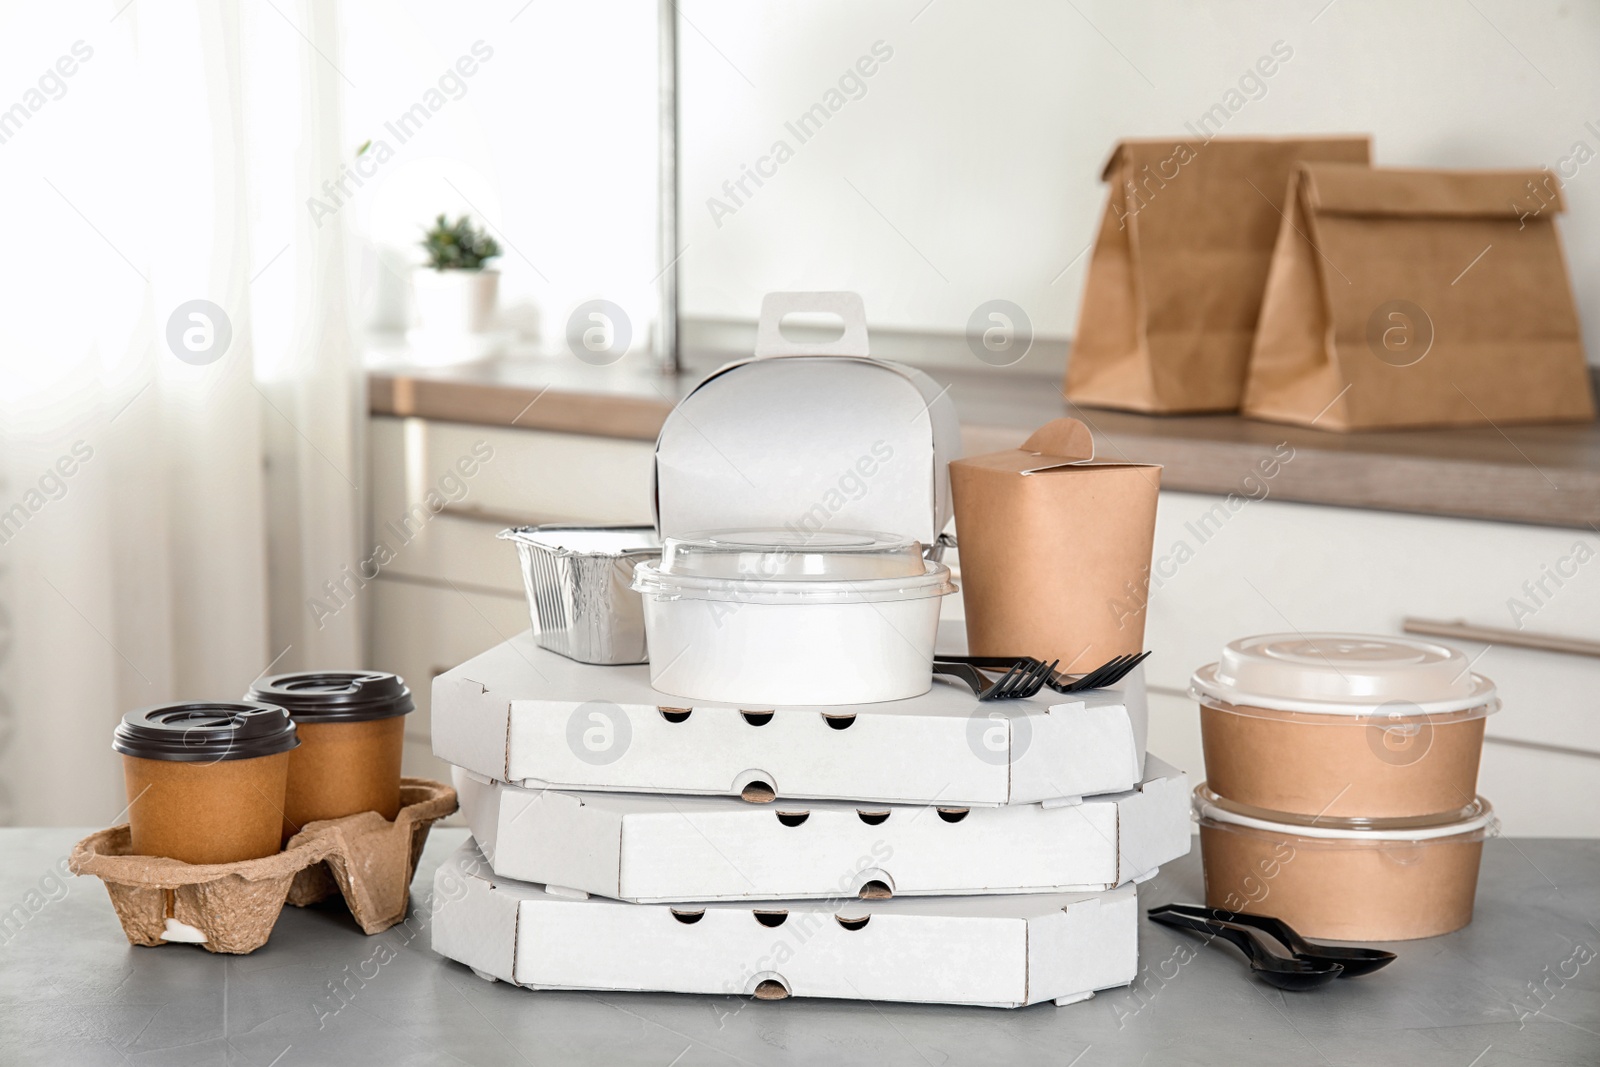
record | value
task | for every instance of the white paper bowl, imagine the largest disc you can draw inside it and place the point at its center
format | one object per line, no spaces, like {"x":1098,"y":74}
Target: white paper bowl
{"x":791,"y":640}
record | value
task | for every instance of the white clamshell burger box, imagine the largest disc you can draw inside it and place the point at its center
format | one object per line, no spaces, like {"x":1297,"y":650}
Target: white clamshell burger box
{"x":809,"y":437}
{"x":524,"y":715}
{"x":654,"y":849}
{"x":989,"y":951}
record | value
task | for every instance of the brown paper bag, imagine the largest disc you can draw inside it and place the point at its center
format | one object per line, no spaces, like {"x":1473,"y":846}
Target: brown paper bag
{"x":1175,"y":280}
{"x":1055,"y":549}
{"x":1405,"y":298}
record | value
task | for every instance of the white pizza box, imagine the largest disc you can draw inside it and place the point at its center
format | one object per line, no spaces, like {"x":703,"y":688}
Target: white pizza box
{"x":656,"y":848}
{"x":522,"y":714}
{"x":998,"y":951}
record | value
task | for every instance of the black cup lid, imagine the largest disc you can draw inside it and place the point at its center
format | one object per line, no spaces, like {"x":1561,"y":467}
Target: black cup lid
{"x":335,"y":696}
{"x":205,"y":732}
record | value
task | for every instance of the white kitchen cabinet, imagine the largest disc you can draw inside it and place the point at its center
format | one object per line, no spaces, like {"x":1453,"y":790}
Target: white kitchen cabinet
{"x":439,"y":521}
{"x":448,"y":589}
{"x":452,"y":590}
{"x":420,"y":631}
{"x":1270,"y":566}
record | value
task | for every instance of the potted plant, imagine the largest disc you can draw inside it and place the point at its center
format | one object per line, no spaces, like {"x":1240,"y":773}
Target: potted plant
{"x":455,"y":292}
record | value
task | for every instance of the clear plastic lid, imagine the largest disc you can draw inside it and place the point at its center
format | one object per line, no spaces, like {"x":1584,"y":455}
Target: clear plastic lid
{"x":790,"y":566}
{"x":1476,"y":818}
{"x":792,"y":555}
{"x":1343,"y":674}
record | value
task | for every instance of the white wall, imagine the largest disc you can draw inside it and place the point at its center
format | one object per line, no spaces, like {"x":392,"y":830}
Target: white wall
{"x":969,"y":169}
{"x":981,"y":141}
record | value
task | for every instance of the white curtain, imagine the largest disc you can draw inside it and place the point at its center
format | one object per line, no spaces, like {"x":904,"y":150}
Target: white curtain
{"x":165,"y":511}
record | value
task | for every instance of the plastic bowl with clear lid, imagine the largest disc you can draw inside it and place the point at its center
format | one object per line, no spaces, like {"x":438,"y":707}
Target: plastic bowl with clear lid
{"x":790,"y":555}
{"x":783,"y":566}
{"x":792,"y":617}
{"x":1343,"y":725}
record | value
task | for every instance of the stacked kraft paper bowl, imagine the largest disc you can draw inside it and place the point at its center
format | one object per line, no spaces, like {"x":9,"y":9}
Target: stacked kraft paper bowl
{"x":1341,"y":791}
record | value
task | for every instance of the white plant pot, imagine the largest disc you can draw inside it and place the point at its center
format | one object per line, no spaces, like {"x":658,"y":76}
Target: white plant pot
{"x":454,"y":302}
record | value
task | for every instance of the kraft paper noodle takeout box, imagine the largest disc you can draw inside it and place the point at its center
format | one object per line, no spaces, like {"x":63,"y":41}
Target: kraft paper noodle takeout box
{"x":980,"y":950}
{"x":231,"y":907}
{"x":525,"y":715}
{"x":654,"y":849}
{"x":1055,"y":548}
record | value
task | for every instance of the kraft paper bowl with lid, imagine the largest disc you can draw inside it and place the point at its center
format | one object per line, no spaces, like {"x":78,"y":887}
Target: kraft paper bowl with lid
{"x":1343,"y":725}
{"x":352,"y":733}
{"x":770,"y":617}
{"x":206,"y":780}
{"x":1344,"y":879}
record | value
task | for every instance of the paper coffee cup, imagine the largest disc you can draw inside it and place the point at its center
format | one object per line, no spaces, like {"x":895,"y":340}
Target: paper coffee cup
{"x":206,"y":781}
{"x":352,"y":733}
{"x":1343,"y":725}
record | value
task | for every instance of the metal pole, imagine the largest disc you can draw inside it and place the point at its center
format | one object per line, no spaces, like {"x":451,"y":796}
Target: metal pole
{"x":666,"y":339}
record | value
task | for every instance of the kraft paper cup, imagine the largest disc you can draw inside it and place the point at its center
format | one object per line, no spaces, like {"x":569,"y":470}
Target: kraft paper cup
{"x":1343,"y":726}
{"x":352,"y":733}
{"x":206,"y":781}
{"x":1344,"y":880}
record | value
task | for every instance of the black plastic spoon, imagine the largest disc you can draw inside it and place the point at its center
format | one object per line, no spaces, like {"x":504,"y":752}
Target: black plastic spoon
{"x":1284,"y":972}
{"x":1355,"y":961}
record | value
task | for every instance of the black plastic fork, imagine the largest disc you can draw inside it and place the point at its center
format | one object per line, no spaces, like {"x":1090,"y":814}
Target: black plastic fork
{"x":1022,"y":679}
{"x":1107,"y":674}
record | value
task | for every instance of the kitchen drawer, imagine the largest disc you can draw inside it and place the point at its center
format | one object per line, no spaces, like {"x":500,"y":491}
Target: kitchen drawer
{"x":517,"y":477}
{"x":1272,"y":567}
{"x":419,"y":631}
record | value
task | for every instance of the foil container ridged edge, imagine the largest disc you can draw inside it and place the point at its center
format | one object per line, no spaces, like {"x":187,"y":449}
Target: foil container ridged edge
{"x":578,"y":581}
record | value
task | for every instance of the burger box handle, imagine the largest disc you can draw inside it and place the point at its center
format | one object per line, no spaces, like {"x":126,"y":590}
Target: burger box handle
{"x":848,"y":306}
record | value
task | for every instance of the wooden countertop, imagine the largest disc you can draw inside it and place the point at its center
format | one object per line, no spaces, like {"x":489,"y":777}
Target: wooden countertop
{"x":1546,"y":475}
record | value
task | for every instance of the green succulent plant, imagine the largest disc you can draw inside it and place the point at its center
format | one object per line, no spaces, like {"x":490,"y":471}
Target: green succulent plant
{"x":458,"y":245}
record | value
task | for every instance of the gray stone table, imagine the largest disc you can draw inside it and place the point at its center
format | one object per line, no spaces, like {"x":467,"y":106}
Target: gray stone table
{"x":1521,"y":985}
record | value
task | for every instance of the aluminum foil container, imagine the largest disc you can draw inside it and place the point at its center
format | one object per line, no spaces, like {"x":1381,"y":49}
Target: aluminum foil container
{"x":578,"y":581}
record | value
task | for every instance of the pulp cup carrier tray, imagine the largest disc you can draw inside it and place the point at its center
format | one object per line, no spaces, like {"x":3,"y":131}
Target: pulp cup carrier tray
{"x":231,"y":907}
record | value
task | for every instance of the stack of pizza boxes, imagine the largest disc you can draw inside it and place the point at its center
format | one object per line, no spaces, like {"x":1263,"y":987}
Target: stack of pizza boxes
{"x":930,"y":847}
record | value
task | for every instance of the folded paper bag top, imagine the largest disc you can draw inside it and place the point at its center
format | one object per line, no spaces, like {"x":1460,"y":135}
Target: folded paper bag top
{"x":1175,"y":280}
{"x":1055,"y":548}
{"x":1350,"y":189}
